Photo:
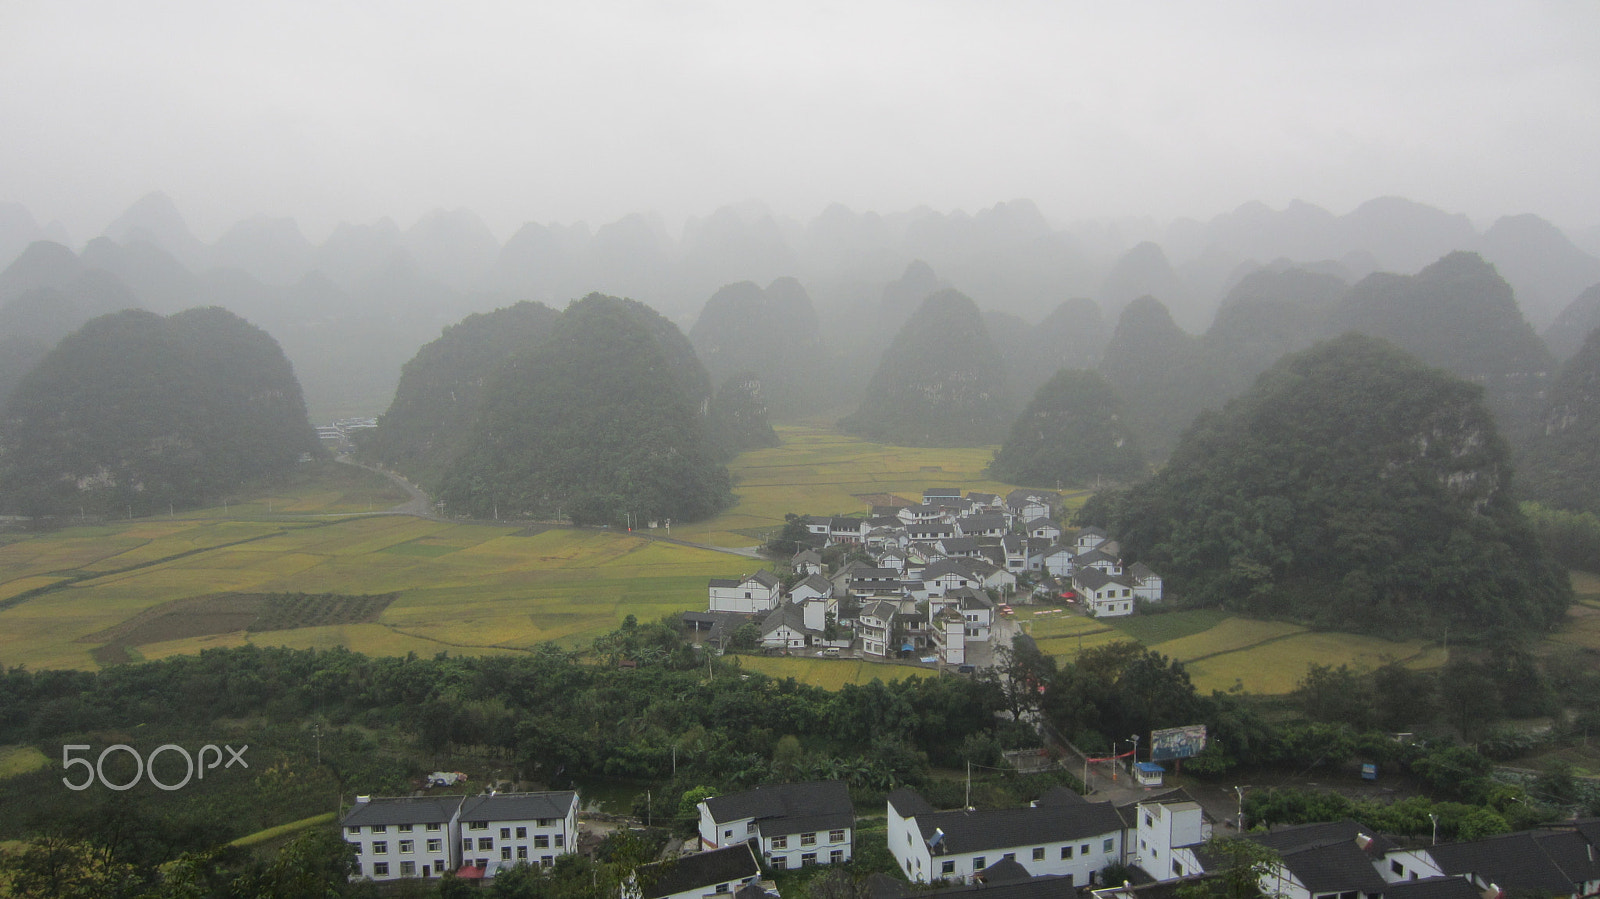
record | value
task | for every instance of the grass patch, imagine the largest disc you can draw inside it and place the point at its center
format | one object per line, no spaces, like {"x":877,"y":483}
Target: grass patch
{"x":1167,"y":626}
{"x":283,"y":830}
{"x":830,"y":674}
{"x":1229,"y":635}
{"x":15,"y":760}
{"x":1584,"y":583}
{"x":421,"y":548}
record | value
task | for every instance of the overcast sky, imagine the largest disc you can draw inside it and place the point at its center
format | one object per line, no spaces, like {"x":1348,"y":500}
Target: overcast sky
{"x":591,"y":109}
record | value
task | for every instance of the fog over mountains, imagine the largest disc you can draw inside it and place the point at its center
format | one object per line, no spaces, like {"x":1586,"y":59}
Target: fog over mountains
{"x":351,"y":310}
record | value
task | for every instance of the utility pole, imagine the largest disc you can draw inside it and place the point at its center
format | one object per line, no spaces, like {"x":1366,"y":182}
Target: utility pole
{"x":1239,"y":825}
{"x":968,"y":803}
{"x":316,"y":734}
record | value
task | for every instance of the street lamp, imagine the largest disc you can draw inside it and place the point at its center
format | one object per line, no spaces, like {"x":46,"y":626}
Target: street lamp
{"x":1435,"y":819}
{"x":1134,"y":762}
{"x":1239,"y":825}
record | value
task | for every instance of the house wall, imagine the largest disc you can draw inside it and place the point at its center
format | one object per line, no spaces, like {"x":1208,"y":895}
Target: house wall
{"x":748,"y":598}
{"x":424,"y":856}
{"x":792,"y":850}
{"x":526,"y":841}
{"x":728,"y":833}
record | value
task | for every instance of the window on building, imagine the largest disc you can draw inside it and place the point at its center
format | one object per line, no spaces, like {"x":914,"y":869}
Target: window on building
{"x":1108,"y":845}
{"x":436,"y":845}
{"x":1010,"y":855}
{"x":485,"y":843}
{"x":380,"y":847}
{"x":1038,"y":854}
{"x":408,"y":869}
{"x":808,"y":839}
{"x":522,"y":853}
{"x":381,"y":869}
{"x":405,"y":828}
{"x":434,"y":827}
{"x":1066,"y":852}
{"x":505,"y":853}
{"x":1177,"y":869}
{"x":380,"y":828}
{"x":466,"y":845}
{"x":949,"y":867}
{"x":979,"y":863}
{"x":357,"y":847}
{"x":780,"y":862}
{"x":836,"y":836}
{"x":1397,"y":868}
{"x":505,"y":833}
{"x":541,"y":840}
{"x":1149,"y":821}
{"x":809,"y":858}
{"x":561,"y":839}
{"x":522,"y":833}
{"x":780,"y":842}
{"x":546,"y":861}
{"x":408,"y":845}
{"x":727,"y":834}
{"x":477,"y":825}
{"x":352,"y":830}
{"x":1084,"y":849}
{"x":722,"y":887}
{"x":836,"y":857}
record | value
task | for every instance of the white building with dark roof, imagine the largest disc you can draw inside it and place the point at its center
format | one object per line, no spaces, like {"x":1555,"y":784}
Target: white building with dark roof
{"x":717,"y":872}
{"x":1103,"y":595}
{"x":793,"y":825}
{"x":403,"y":837}
{"x":1066,"y":840}
{"x":500,"y":830}
{"x":748,"y":595}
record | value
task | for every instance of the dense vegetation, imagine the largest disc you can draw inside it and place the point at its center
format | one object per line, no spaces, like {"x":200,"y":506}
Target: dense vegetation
{"x":941,"y":382}
{"x":1352,"y":488}
{"x":771,"y":334}
{"x":441,"y":388}
{"x":1560,"y":463}
{"x":1072,"y":432}
{"x":738,"y":417}
{"x":134,"y":413}
{"x":605,"y":419}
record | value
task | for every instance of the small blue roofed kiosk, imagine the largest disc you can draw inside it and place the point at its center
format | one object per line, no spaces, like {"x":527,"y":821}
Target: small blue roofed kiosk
{"x":1149,"y":774}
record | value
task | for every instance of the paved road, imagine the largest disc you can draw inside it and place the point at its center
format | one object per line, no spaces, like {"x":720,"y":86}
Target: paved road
{"x":420,"y":505}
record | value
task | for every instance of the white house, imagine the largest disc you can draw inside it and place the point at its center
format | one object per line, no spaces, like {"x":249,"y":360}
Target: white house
{"x":785,"y":628}
{"x":1016,"y":552}
{"x":1026,"y":505}
{"x":749,"y":595}
{"x":1043,"y":529}
{"x":1103,"y":595}
{"x":1169,"y":835}
{"x":949,"y":574}
{"x":500,"y":830}
{"x":405,"y":837}
{"x":985,"y":524}
{"x":1069,"y":840}
{"x":697,"y":875}
{"x":1058,"y":560}
{"x":793,"y":825}
{"x":949,"y":635}
{"x":976,"y":609}
{"x":1088,"y":538}
{"x":877,"y":627}
{"x":807,"y":562}
{"x":815,"y":586}
{"x":1099,"y":558}
{"x":1146,"y":583}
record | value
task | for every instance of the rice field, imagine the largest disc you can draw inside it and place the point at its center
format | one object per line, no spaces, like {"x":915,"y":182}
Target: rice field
{"x":822,"y":472}
{"x":830,"y":674}
{"x":474,"y":588}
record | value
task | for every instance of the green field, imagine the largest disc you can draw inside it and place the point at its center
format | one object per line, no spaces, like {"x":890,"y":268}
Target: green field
{"x":16,"y":760}
{"x":475,"y":588}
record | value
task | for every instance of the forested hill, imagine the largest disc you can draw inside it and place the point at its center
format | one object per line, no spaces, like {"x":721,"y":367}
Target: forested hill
{"x":428,"y":423}
{"x":1351,"y":487}
{"x":1072,"y":432}
{"x":1561,"y":459}
{"x":941,"y":382}
{"x":772,"y":334}
{"x":134,"y":412}
{"x":605,"y":417}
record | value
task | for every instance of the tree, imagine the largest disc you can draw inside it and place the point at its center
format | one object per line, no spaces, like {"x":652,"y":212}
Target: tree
{"x":61,"y":868}
{"x":1246,"y":864}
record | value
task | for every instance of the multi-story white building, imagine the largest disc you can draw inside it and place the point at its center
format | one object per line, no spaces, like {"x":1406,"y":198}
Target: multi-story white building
{"x":399,"y":838}
{"x":794,"y":825}
{"x":501,"y":830}
{"x":1074,"y":840}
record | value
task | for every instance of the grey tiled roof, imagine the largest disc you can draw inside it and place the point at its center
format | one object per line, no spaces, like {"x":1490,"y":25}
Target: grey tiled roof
{"x":408,"y":810}
{"x":788,"y":808}
{"x":518,"y":806}
{"x":702,"y":870}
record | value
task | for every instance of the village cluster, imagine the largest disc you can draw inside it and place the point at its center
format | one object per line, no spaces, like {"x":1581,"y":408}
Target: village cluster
{"x":930,"y":581}
{"x":1055,"y":847}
